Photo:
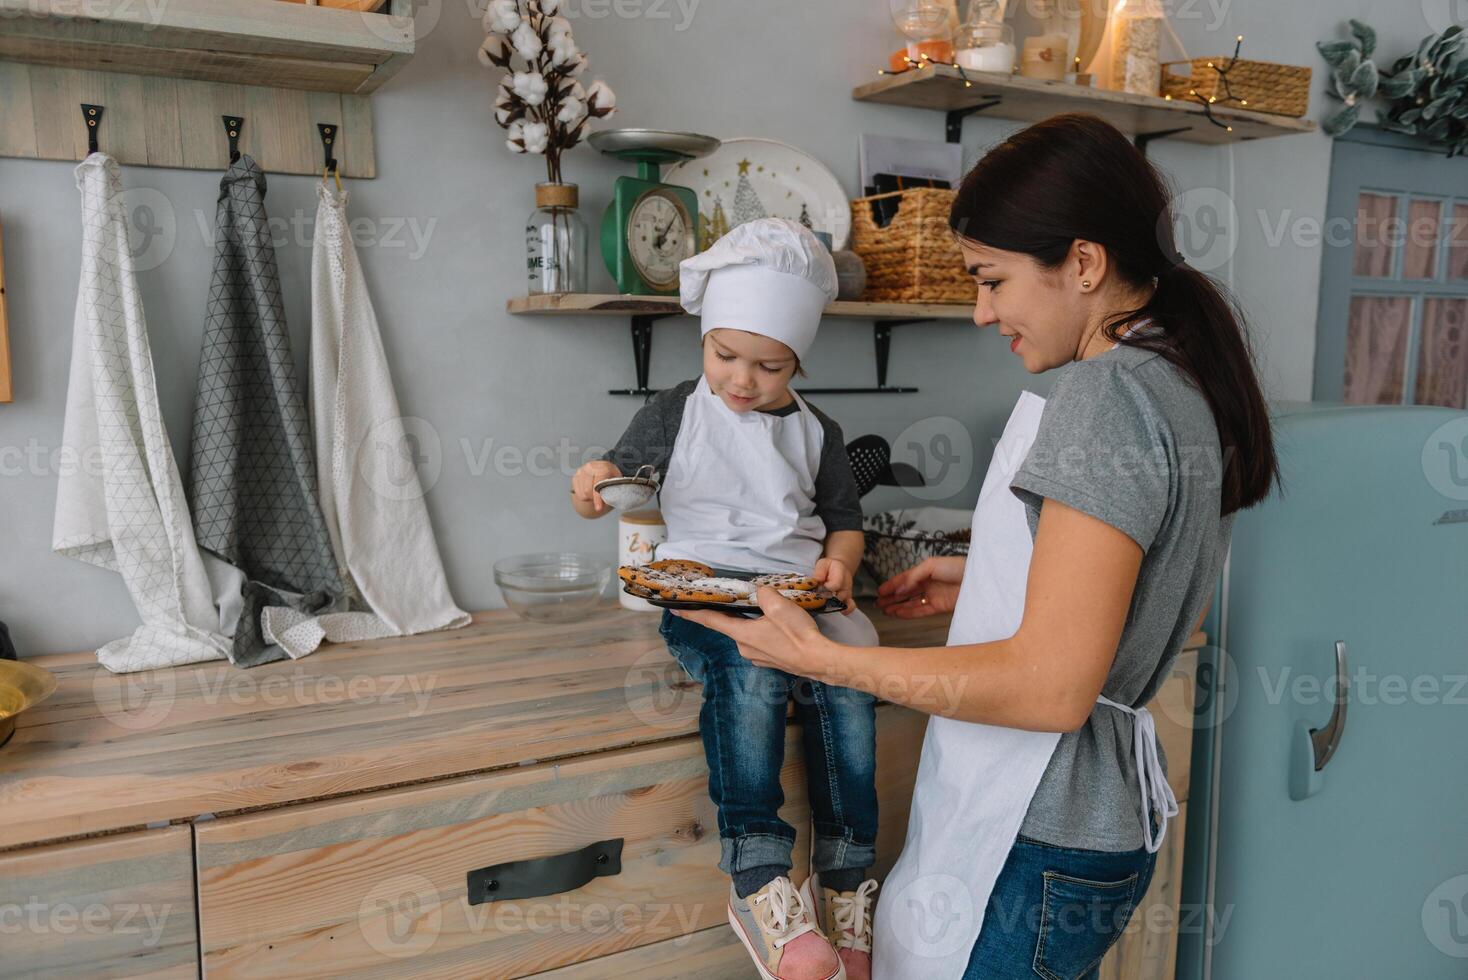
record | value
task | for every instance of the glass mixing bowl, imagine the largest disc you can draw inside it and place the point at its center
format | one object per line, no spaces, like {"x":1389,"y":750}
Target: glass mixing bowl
{"x":552,"y":587}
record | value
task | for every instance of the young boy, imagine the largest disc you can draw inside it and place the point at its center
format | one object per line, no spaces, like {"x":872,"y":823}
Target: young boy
{"x":754,"y":478}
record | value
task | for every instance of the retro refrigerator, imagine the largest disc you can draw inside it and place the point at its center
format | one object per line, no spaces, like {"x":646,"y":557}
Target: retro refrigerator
{"x":1327,"y":832}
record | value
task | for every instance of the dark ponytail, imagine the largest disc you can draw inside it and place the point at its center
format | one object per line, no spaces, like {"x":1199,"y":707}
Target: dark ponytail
{"x":1076,"y":177}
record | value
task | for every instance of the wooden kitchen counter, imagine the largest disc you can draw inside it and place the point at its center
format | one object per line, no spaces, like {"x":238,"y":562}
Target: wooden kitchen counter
{"x":112,"y":751}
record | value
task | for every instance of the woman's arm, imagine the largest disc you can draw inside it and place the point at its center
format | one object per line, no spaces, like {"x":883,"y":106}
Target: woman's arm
{"x":1044,"y":678}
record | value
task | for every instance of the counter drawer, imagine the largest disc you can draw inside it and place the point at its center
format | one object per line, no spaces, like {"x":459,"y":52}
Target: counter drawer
{"x":115,"y":906}
{"x":376,"y":885}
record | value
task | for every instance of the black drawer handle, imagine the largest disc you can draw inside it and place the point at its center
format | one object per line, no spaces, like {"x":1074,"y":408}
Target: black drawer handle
{"x":545,"y":876}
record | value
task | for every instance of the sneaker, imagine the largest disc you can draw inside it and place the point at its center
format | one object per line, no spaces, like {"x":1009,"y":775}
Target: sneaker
{"x":775,"y":926}
{"x":846,"y":919}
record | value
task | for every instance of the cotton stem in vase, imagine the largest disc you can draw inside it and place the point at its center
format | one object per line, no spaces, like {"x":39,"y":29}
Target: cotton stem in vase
{"x":540,"y":100}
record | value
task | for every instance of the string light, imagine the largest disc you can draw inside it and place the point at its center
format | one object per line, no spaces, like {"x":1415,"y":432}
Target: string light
{"x":929,"y":62}
{"x":1228,"y":95}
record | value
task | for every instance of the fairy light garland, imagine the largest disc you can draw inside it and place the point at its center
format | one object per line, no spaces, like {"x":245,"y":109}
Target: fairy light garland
{"x":925,"y":62}
{"x":1228,"y":95}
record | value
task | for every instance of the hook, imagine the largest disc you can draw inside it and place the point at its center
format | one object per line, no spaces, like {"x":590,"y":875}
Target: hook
{"x":92,"y":115}
{"x":328,"y":138}
{"x":232,"y":127}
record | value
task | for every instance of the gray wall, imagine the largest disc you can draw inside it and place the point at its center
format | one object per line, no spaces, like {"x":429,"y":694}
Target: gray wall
{"x":485,"y":380}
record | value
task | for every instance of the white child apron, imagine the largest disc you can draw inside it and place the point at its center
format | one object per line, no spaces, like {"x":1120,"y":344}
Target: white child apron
{"x":739,"y":494}
{"x":975,"y":782}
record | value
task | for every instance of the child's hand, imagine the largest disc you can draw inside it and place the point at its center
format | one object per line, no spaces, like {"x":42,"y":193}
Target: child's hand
{"x":835,"y":576}
{"x":588,"y":502}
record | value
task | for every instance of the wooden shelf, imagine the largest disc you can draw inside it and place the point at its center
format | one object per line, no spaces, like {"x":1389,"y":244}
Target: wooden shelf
{"x":613,"y":304}
{"x":1030,"y":100}
{"x":644,"y":310}
{"x":244,"y":42}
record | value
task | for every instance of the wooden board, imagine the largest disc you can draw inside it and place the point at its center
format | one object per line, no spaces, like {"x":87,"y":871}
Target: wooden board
{"x":6,"y":392}
{"x":712,"y":954}
{"x":253,"y":43}
{"x":167,"y":122}
{"x":613,"y":304}
{"x":1147,"y":949}
{"x":1031,"y":100}
{"x":376,"y":885}
{"x":108,"y":751}
{"x":119,"y":906}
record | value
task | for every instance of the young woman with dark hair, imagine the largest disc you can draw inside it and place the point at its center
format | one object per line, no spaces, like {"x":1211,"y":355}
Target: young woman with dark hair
{"x":1099,"y":534}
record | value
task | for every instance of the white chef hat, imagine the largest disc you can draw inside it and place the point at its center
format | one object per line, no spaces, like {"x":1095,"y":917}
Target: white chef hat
{"x":770,"y":276}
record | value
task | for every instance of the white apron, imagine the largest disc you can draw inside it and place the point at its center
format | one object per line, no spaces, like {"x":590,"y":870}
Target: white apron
{"x":975,"y":782}
{"x":739,"y":493}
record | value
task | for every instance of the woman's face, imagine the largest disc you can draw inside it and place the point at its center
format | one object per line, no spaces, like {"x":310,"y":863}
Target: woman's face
{"x":1041,"y":312}
{"x":748,"y":371}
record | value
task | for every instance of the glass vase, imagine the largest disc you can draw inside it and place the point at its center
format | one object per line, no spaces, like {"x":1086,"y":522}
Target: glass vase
{"x":555,"y":242}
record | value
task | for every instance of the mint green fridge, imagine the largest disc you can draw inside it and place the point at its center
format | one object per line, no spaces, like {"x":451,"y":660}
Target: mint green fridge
{"x":1327,"y":831}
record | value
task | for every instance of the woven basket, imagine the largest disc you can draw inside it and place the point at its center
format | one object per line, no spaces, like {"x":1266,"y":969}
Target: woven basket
{"x":915,"y":259}
{"x":1283,"y":90}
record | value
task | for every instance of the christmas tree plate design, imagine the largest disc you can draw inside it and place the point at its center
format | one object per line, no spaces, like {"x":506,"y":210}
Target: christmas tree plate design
{"x":752,"y":178}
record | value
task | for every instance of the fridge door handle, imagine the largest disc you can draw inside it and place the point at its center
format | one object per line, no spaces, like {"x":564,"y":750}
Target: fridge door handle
{"x":1314,"y":747}
{"x":1326,"y":740}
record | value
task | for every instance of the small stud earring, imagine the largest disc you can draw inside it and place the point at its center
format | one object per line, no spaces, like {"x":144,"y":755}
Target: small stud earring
{"x":1085,"y":284}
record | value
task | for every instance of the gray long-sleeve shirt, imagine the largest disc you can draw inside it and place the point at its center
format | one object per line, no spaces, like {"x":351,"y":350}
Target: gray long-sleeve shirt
{"x":653,"y":432}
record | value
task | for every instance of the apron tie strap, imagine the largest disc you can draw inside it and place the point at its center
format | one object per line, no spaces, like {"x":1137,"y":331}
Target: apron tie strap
{"x":1157,"y":795}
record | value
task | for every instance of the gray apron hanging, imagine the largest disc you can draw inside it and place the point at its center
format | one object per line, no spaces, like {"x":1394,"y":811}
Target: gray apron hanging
{"x":252,"y":482}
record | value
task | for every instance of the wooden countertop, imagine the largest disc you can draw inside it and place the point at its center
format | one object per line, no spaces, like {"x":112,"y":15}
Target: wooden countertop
{"x":111,"y":751}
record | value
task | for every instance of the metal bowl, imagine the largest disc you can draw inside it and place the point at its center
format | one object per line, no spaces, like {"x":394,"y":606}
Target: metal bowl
{"x":659,"y":145}
{"x":552,"y":587}
{"x":22,"y":685}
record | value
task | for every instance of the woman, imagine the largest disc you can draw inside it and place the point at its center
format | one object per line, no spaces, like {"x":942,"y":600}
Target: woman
{"x":1098,"y":536}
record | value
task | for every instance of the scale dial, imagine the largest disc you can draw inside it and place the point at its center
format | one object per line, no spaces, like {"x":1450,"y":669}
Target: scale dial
{"x":660,"y":234}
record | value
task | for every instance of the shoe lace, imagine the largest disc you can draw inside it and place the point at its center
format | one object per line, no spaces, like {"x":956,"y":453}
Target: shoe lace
{"x":852,"y":914}
{"x":785,"y":915}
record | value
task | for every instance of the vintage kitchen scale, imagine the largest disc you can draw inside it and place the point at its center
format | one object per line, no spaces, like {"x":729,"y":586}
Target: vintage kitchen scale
{"x":649,"y":226}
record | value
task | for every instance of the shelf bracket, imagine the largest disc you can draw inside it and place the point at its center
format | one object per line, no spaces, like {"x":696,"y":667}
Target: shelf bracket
{"x":642,"y":352}
{"x":953,"y":118}
{"x":1142,"y":139}
{"x":882,"y":346}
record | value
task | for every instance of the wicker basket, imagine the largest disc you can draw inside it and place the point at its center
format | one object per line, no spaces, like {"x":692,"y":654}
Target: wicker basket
{"x":915,"y":258}
{"x":894,"y":543}
{"x":1283,"y":90}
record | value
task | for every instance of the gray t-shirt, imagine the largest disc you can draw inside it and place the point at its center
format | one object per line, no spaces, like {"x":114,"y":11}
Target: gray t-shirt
{"x":1127,"y":438}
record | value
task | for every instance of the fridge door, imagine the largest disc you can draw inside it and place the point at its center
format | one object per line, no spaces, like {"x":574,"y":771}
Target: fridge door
{"x":1365,"y":875}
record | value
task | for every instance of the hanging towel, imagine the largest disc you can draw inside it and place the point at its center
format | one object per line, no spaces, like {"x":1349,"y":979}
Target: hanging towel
{"x":252,"y":482}
{"x":121,"y":505}
{"x":370,"y":492}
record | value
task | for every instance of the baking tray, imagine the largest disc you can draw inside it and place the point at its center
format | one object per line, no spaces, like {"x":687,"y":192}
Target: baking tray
{"x":733,"y":609}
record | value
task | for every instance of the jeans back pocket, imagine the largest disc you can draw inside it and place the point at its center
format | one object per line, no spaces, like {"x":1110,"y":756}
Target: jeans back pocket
{"x":1079,"y":921}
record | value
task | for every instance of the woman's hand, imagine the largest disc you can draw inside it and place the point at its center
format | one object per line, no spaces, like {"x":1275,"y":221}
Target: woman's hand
{"x":833,"y":574}
{"x":588,"y":502}
{"x":923,"y":590}
{"x":785,"y":638}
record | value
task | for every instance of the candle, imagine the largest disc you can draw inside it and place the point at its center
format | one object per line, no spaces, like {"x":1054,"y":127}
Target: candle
{"x":1045,"y":57}
{"x":991,"y":57}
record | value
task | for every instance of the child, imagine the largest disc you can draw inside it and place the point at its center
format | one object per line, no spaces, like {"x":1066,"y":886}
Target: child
{"x":756,"y":479}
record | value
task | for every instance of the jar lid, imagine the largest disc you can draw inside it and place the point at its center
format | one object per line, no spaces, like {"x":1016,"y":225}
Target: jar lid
{"x":649,"y":516}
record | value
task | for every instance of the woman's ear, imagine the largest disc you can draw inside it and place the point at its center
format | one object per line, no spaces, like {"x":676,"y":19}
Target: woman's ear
{"x":1090,"y":261}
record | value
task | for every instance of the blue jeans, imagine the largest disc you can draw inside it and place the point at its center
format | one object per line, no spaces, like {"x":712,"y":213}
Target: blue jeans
{"x":742,"y":723}
{"x":1055,"y":911}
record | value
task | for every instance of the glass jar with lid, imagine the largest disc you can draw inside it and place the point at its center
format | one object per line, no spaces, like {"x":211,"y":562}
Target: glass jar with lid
{"x":984,"y":42}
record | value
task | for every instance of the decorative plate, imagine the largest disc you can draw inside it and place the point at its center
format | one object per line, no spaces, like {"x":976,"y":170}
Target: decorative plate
{"x":751,"y":178}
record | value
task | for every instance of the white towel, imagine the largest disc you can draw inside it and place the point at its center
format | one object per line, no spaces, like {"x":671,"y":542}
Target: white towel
{"x":370,"y":493}
{"x":122,"y":506}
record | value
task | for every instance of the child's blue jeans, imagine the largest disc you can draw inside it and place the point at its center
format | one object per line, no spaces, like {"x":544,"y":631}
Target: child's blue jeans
{"x":743,"y":727}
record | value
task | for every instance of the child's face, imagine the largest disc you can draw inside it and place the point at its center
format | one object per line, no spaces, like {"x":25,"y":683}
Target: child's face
{"x":748,"y":371}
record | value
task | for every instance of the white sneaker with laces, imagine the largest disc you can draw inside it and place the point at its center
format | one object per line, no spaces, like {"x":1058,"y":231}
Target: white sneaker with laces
{"x":776,"y":927}
{"x":846,"y":919}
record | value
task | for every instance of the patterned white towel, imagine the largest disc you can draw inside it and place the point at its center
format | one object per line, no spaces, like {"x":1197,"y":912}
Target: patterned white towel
{"x":122,"y":507}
